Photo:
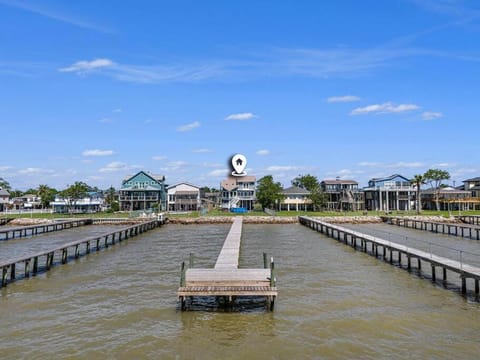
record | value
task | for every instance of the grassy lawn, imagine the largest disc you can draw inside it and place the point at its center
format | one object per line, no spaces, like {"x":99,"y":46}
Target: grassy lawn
{"x":253,"y":213}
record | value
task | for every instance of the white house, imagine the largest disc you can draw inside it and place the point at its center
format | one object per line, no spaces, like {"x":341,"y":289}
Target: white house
{"x":184,"y":197}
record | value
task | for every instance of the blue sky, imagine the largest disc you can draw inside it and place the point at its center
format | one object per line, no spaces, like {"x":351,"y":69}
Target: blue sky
{"x":93,"y":91}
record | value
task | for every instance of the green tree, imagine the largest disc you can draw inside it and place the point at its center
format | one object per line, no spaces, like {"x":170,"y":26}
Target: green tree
{"x":4,"y":184}
{"x":74,"y":193}
{"x":269,"y":192}
{"x":307,"y":182}
{"x":435,"y":177}
{"x":418,"y":180}
{"x":319,"y":198}
{"x":46,"y":194}
{"x":111,"y":199}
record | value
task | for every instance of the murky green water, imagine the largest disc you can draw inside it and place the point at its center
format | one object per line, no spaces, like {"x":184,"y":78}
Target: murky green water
{"x":334,"y":303}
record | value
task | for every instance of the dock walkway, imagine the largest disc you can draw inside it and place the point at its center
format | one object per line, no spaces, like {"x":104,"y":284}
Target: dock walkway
{"x":17,"y":232}
{"x":360,"y":241}
{"x":32,"y":264}
{"x":462,"y":230}
{"x":225,"y":279}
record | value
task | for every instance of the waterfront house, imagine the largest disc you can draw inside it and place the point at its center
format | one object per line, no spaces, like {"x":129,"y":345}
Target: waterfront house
{"x":342,"y":195}
{"x":391,"y":193}
{"x":238,"y":192}
{"x":26,"y":202}
{"x":91,"y":203}
{"x":143,"y":191}
{"x":449,"y":199}
{"x":473,"y":186}
{"x":295,"y":199}
{"x":4,"y":199}
{"x":184,"y":197}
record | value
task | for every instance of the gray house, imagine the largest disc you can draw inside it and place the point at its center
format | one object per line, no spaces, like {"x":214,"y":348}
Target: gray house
{"x":4,"y":198}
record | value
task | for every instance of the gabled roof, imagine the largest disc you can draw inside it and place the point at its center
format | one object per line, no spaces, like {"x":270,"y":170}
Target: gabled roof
{"x":4,"y":192}
{"x":339,"y":181}
{"x":155,"y":177}
{"x":183,"y":183}
{"x":295,"y":190}
{"x":475,"y":179}
{"x":391,"y":177}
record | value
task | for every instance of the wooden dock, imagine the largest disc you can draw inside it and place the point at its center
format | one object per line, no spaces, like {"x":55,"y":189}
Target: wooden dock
{"x":225,"y":279}
{"x":469,"y":219}
{"x":18,"y":232}
{"x":463,"y":230}
{"x":32,"y":264}
{"x":372,"y":245}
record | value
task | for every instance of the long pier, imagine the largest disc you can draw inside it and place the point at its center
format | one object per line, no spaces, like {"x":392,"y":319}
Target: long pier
{"x":32,"y":264}
{"x":463,"y":230}
{"x":469,"y":219}
{"x":18,"y":232}
{"x":363,"y":242}
{"x":226,"y":279}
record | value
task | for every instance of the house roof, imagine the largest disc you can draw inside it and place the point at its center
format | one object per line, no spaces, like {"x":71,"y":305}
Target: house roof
{"x":295,"y":190}
{"x":339,"y":181}
{"x":153,"y":176}
{"x":4,"y":192}
{"x":231,"y":183}
{"x":182,"y":183}
{"x":445,"y":190}
{"x":389,"y":178}
{"x":472,"y":179}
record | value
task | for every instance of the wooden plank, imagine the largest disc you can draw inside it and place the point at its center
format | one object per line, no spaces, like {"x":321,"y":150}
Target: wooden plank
{"x":230,"y":253}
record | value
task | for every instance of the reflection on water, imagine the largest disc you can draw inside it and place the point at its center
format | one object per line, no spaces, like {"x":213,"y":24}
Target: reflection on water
{"x":333,"y":303}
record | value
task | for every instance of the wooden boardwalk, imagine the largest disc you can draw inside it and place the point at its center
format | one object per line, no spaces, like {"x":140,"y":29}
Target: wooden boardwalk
{"x":463,"y":230}
{"x":469,"y":219}
{"x":17,"y":232}
{"x":370,"y":244}
{"x":32,"y":264}
{"x":225,"y":279}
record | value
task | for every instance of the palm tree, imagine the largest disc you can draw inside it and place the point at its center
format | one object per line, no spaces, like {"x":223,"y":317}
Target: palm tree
{"x":418,"y":181}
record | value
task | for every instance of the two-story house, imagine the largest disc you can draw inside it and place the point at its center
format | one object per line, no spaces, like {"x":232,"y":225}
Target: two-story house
{"x":342,"y":195}
{"x":238,"y":192}
{"x":391,"y":193}
{"x":4,"y":199}
{"x":184,"y":197}
{"x":295,"y":199}
{"x":143,"y":191}
{"x":473,"y":186}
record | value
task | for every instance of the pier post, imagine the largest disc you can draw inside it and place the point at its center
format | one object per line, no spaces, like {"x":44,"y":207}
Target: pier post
{"x":190,"y":260}
{"x":433,"y":273}
{"x":27,"y":268}
{"x":419,"y":264}
{"x":444,"y":274}
{"x":77,"y":252}
{"x":182,"y":275}
{"x":35,"y":265}
{"x":12,"y":271}
{"x":477,"y":287}
{"x":98,"y":244}
{"x":464,"y":284}
{"x":87,"y":249}
{"x":272,"y":273}
{"x":265,"y":261}
{"x":64,"y":255}
{"x":4,"y":276}
{"x":409,"y":262}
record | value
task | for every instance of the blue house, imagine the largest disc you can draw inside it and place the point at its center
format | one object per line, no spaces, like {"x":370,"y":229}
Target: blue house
{"x":391,"y":193}
{"x":143,"y":191}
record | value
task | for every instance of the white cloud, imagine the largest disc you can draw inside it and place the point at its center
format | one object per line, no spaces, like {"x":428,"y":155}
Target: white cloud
{"x":200,"y":151}
{"x":175,"y":166}
{"x":98,"y":152}
{"x":188,"y":127}
{"x":117,"y":110}
{"x":241,"y":116}
{"x":158,"y":157}
{"x":106,"y":120}
{"x":400,"y":164}
{"x":83,"y":66}
{"x":263,"y":152}
{"x":430,"y":115}
{"x":369,"y":164}
{"x":343,"y":99}
{"x":35,"y":171}
{"x":275,"y":168}
{"x":384,"y":108}
{"x":5,"y":168}
{"x":218,"y":173}
{"x":118,"y":166}
{"x":443,"y":165}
